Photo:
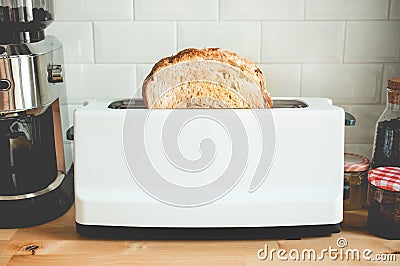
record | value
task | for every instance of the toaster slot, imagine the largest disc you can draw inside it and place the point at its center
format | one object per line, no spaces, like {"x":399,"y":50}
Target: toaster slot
{"x":128,"y":104}
{"x":139,"y":104}
{"x":289,"y":104}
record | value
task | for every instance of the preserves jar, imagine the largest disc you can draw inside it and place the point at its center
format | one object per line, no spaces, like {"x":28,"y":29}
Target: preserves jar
{"x":387,"y":134}
{"x":355,"y":176}
{"x":384,"y":202}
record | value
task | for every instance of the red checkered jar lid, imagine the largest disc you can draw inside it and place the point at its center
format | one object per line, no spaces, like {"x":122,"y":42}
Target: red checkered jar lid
{"x":387,"y":178}
{"x":355,"y":163}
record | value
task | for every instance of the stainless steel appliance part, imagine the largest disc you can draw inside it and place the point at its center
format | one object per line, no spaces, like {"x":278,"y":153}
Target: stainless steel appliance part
{"x":24,"y":20}
{"x":30,"y":74}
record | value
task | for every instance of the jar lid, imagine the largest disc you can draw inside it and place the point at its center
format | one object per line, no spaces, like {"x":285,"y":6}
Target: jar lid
{"x":387,"y":178}
{"x":394,"y":83}
{"x":355,"y":162}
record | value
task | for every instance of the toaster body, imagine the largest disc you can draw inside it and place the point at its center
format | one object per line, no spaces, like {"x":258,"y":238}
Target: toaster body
{"x":156,"y":174}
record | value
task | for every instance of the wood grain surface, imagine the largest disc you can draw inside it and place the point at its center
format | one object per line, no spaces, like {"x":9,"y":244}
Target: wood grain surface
{"x":57,"y":243}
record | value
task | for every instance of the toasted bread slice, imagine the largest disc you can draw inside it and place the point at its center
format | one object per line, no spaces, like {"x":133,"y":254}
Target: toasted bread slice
{"x":206,"y":78}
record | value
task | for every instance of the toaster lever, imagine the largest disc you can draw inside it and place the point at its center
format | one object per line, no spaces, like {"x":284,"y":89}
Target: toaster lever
{"x":349,"y":119}
{"x":346,"y":190}
{"x":70,"y":133}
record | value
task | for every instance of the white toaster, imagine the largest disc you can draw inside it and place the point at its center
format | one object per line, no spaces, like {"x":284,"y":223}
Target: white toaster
{"x":209,"y":173}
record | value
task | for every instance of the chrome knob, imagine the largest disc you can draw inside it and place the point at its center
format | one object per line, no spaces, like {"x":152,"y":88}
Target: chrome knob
{"x":55,"y":74}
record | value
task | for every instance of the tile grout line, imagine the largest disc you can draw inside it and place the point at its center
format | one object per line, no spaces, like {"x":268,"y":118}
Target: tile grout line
{"x":227,"y":20}
{"x":94,"y":44}
{"x":382,"y":87}
{"x":389,"y":9}
{"x":136,"y":78}
{"x":133,"y":10}
{"x":219,"y":10}
{"x":344,"y":43}
{"x":301,"y":79}
{"x":176,"y":36}
{"x":261,"y":42}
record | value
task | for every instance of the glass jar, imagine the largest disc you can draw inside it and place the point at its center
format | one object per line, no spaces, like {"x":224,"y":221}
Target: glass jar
{"x":384,"y":202}
{"x":355,"y":176}
{"x":387,"y":134}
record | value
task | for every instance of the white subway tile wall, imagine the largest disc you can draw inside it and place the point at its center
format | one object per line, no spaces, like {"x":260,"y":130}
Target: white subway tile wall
{"x":142,"y":70}
{"x":373,"y":41}
{"x":343,"y":83}
{"x":235,"y":36}
{"x":302,"y":42}
{"x":176,"y":10}
{"x":340,"y":49}
{"x":91,"y":81}
{"x":366,"y":116}
{"x":283,"y":79}
{"x":346,"y":9}
{"x":395,"y":9}
{"x":128,"y":42}
{"x":261,"y":9}
{"x":91,"y":10}
{"x":77,"y":38}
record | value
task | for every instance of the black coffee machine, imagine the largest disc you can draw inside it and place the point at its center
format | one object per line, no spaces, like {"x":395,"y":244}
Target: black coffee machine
{"x":36,"y":183}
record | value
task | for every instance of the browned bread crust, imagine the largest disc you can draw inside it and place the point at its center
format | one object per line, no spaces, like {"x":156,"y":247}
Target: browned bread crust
{"x":216,"y":54}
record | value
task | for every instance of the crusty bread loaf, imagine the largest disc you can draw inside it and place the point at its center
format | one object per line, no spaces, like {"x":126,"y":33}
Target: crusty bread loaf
{"x":206,"y":78}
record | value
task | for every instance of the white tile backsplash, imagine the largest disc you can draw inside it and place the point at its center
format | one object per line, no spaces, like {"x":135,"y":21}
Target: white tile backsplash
{"x":93,"y":10}
{"x":346,"y":9}
{"x":364,"y":130}
{"x":77,"y":38}
{"x":395,"y":9}
{"x":261,"y":9}
{"x":342,"y":49}
{"x":100,"y":81}
{"x":176,"y":10}
{"x":74,"y":78}
{"x":343,"y":83}
{"x":373,"y":41}
{"x":283,"y":80}
{"x":241,"y":37}
{"x":142,"y":70}
{"x":134,"y":42}
{"x":302,"y":42}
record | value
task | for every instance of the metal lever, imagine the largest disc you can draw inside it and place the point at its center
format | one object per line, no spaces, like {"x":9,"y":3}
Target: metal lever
{"x":70,"y":133}
{"x":349,"y":119}
{"x":346,"y":190}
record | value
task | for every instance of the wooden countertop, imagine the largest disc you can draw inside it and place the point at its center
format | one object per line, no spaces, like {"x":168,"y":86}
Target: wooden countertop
{"x":57,"y":243}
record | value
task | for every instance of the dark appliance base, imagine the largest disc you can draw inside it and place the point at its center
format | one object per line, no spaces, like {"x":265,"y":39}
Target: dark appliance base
{"x":40,"y":209}
{"x":235,"y":233}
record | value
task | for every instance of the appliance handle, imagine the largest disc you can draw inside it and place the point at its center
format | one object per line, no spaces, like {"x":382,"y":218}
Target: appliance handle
{"x":346,"y":190}
{"x":70,"y":133}
{"x":349,"y":119}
